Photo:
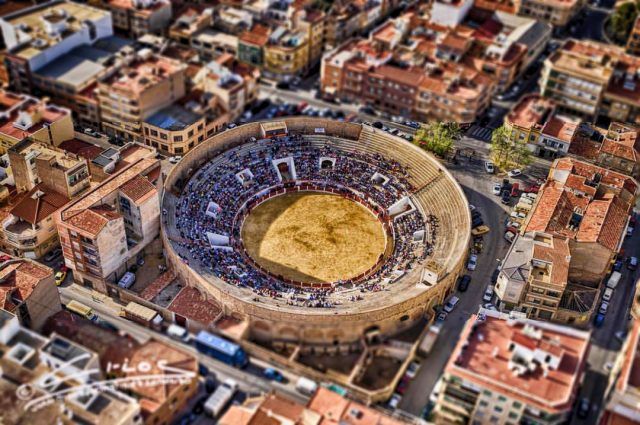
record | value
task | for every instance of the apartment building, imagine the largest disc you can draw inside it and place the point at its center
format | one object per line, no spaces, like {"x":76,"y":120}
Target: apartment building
{"x":325,"y":405}
{"x":623,"y":395}
{"x":105,"y":163}
{"x":25,"y":117}
{"x":447,"y":72}
{"x":40,"y":34}
{"x":28,"y":291}
{"x":72,"y":79}
{"x":29,"y":230}
{"x":534,"y":279}
{"x":128,"y":96}
{"x":590,"y":206}
{"x":616,"y":148}
{"x":29,"y":359}
{"x":557,"y":13}
{"x":135,"y":18}
{"x":159,"y":404}
{"x":345,"y":19}
{"x":509,"y":370}
{"x":210,"y":45}
{"x":33,"y":163}
{"x":589,"y":79}
{"x":286,"y":54}
{"x":527,"y":119}
{"x":357,"y":72}
{"x":234,"y":84}
{"x":191,"y":22}
{"x":102,"y":233}
{"x":176,"y":129}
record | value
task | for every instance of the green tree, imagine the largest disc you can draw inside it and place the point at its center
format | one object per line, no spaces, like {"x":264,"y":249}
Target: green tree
{"x":506,"y":152}
{"x":437,"y":137}
{"x":622,"y":20}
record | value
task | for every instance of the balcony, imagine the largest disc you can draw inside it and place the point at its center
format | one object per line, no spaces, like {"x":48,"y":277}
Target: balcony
{"x":20,"y":233}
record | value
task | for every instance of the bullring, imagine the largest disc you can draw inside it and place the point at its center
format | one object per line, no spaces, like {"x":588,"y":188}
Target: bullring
{"x":408,"y":270}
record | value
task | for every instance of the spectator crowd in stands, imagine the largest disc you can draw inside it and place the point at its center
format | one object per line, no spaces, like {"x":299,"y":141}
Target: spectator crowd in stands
{"x":225,"y":182}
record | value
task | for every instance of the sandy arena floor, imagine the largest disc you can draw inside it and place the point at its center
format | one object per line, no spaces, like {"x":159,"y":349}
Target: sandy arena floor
{"x":313,"y":237}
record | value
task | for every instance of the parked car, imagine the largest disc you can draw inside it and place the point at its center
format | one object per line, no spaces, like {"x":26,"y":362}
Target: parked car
{"x":442,"y":316}
{"x":480,"y":230}
{"x":532,"y":188}
{"x":497,"y":189}
{"x":603,"y":308}
{"x":53,"y":254}
{"x":463,"y":282}
{"x":505,"y":198}
{"x":61,"y":276}
{"x":608,"y":293}
{"x":599,"y":320}
{"x":175,"y":159}
{"x":515,"y":190}
{"x":476,"y":222}
{"x":378,"y":124}
{"x":488,"y":294}
{"x":632,"y":263}
{"x":488,"y":167}
{"x":489,"y":306}
{"x":494,"y":275}
{"x":451,"y":304}
{"x":509,"y":236}
{"x":394,"y":401}
{"x":584,"y":406}
{"x":473,"y":262}
{"x":514,"y":173}
{"x":412,"y":369}
{"x":629,"y":231}
{"x":273,"y":374}
{"x":617,"y":266}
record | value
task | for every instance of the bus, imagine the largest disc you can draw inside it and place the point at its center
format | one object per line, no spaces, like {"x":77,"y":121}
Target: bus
{"x":81,"y":309}
{"x":221,"y":349}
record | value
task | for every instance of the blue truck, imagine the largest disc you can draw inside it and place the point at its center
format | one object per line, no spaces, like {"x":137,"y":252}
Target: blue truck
{"x":221,"y":349}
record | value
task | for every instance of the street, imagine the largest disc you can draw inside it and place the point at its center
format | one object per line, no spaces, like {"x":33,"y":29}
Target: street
{"x":249,"y":379}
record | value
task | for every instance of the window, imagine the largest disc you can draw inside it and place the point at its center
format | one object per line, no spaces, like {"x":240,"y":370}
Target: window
{"x":177,"y":138}
{"x":154,"y":133}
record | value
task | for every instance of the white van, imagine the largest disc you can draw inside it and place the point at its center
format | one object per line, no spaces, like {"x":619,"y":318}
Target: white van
{"x":451,"y":304}
{"x":614,"y":280}
{"x":306,"y":386}
{"x":127,"y":280}
{"x":177,"y":332}
{"x":608,"y":293}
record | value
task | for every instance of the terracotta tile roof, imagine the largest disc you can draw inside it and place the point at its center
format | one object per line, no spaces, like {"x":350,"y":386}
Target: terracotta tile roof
{"x":39,"y":203}
{"x":557,"y":254}
{"x":258,"y":35}
{"x":620,"y":149}
{"x":18,"y":280}
{"x":560,"y":128}
{"x":155,"y":287}
{"x":191,"y":304}
{"x":409,"y":77}
{"x":585,"y":148}
{"x":486,"y":361}
{"x":336,"y":409}
{"x":81,"y":148}
{"x":137,"y":188}
{"x":604,"y":223}
{"x":92,"y":220}
{"x":531,"y":111}
{"x":152,"y":352}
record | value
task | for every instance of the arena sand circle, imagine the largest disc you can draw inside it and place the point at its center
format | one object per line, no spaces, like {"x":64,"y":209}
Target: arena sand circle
{"x":313,"y":237}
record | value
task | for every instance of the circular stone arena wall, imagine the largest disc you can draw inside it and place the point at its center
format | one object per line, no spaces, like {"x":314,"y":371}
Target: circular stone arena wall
{"x":411,"y":297}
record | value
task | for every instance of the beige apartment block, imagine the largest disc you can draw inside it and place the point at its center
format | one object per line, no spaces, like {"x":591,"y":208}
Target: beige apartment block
{"x":25,"y":117}
{"x":28,"y":291}
{"x":102,"y":233}
{"x":135,"y":92}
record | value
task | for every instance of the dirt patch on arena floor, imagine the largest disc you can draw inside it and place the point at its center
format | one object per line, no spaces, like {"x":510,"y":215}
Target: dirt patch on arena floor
{"x":313,"y":237}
